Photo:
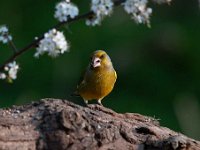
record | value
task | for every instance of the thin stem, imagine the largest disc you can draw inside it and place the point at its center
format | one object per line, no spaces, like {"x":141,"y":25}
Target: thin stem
{"x":13,"y":46}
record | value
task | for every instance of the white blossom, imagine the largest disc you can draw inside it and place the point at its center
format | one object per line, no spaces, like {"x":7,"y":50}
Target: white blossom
{"x":138,"y":10}
{"x":2,"y":76}
{"x":10,"y":71}
{"x":13,"y":69}
{"x":53,"y":43}
{"x":65,"y":10}
{"x":4,"y":35}
{"x":101,"y":8}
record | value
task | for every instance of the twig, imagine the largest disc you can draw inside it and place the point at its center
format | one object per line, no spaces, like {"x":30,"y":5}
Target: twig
{"x":13,"y":46}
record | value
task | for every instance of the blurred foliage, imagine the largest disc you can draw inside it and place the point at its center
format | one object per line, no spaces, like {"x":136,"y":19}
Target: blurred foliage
{"x":158,"y":67}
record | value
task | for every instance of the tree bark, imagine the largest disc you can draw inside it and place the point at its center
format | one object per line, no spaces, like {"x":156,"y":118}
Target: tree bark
{"x":53,"y":124}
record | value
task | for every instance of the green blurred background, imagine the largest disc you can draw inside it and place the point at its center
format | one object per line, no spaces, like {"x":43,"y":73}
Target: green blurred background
{"x":158,"y":68}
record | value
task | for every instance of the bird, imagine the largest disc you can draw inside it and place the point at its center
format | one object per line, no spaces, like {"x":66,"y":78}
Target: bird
{"x":99,"y":78}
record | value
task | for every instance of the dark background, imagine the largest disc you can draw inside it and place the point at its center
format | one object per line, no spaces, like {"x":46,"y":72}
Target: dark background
{"x":158,"y":68}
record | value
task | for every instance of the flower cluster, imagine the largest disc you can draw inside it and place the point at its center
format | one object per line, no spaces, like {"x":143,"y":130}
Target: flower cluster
{"x":53,"y":43}
{"x":4,"y":35}
{"x":101,"y":8}
{"x":65,"y":10}
{"x":11,"y":70}
{"x":139,"y":10}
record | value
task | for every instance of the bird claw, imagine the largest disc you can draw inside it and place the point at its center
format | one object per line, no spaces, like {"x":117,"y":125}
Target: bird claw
{"x":86,"y":102}
{"x":99,"y":102}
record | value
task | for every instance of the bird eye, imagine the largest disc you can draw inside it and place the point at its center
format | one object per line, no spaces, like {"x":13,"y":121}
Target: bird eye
{"x":102,"y":56}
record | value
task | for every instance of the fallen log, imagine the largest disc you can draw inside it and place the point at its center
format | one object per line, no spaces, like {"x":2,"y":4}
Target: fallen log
{"x":53,"y":124}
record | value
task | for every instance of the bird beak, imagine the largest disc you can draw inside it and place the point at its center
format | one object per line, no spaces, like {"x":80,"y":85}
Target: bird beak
{"x":96,"y":62}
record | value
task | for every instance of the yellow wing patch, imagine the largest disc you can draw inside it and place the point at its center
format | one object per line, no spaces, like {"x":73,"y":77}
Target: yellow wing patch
{"x":115,"y":75}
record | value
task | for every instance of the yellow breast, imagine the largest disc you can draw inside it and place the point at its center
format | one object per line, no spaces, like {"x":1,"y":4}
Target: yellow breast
{"x":97,"y":84}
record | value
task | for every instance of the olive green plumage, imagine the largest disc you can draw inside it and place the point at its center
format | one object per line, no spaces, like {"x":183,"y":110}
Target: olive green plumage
{"x":99,"y":78}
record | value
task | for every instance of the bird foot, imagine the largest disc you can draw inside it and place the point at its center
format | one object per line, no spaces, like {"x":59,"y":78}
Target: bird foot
{"x":99,"y":102}
{"x":86,"y":102}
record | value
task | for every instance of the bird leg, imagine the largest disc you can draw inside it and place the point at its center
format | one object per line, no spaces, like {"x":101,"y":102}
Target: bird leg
{"x":86,"y":102}
{"x":99,"y":101}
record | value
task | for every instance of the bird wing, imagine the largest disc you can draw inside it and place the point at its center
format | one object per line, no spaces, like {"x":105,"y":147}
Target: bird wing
{"x":82,"y":79}
{"x":115,"y":75}
{"x":80,"y":83}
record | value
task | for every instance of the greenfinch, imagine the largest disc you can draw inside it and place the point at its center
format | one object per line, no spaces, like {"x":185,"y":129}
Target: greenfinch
{"x":99,"y":78}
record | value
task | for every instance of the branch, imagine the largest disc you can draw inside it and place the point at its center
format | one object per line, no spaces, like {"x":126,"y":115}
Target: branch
{"x":35,"y":42}
{"x":57,"y":26}
{"x":58,"y":124}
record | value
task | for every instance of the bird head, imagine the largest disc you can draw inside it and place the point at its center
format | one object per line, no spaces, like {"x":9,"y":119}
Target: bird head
{"x":100,"y":59}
